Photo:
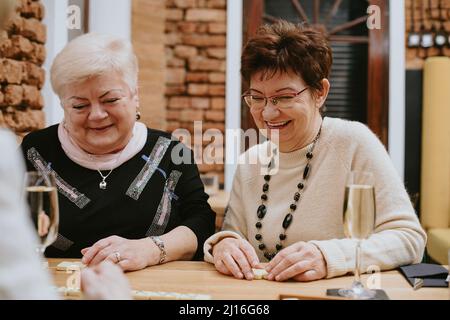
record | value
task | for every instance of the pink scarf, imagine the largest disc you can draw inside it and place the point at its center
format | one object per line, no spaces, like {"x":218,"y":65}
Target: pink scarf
{"x":107,"y":161}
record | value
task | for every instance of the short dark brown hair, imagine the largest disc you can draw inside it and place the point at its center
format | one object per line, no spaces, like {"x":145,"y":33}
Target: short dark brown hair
{"x":286,"y":47}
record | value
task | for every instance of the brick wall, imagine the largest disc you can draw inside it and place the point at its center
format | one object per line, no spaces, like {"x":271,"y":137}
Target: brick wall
{"x":147,"y":33}
{"x":195,"y":60}
{"x":22,"y":53}
{"x":427,"y":16}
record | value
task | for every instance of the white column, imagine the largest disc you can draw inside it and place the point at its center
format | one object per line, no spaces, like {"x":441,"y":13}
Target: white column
{"x":397,"y":85}
{"x":110,"y":16}
{"x":55,"y":20}
{"x":233,"y":87}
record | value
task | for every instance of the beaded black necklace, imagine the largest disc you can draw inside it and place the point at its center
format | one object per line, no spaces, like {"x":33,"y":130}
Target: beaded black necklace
{"x":262,"y":209}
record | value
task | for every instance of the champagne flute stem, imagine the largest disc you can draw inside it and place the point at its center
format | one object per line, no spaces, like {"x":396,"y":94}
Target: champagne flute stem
{"x":358,"y":263}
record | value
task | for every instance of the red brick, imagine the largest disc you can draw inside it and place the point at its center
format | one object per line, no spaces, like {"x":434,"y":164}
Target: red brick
{"x":205,"y":15}
{"x":15,"y":25}
{"x":33,"y":75}
{"x":21,"y":121}
{"x":200,"y":103}
{"x":180,"y":102}
{"x":190,"y":115}
{"x":214,"y":125}
{"x":204,"y":40}
{"x":218,"y":4}
{"x":174,"y":90}
{"x":170,"y":27}
{"x":5,"y":45}
{"x":172,"y":114}
{"x":175,"y":75}
{"x":218,"y":103}
{"x":32,"y":97}
{"x":34,"y":30}
{"x":447,"y":25}
{"x":171,"y":39}
{"x":185,"y":51}
{"x":201,"y":27}
{"x":175,"y":62}
{"x":39,"y":54}
{"x":215,"y":115}
{"x":216,"y":90}
{"x":10,"y":71}
{"x":174,"y":14}
{"x":13,"y":95}
{"x":172,"y":126}
{"x":189,"y":125}
{"x":32,"y":9}
{"x":196,"y":89}
{"x":197,"y":77}
{"x":187,"y":27}
{"x":205,"y":64}
{"x":217,"y":77}
{"x":219,"y":53}
{"x":185,"y":3}
{"x":21,"y":48}
{"x":170,"y":3}
{"x":219,"y":28}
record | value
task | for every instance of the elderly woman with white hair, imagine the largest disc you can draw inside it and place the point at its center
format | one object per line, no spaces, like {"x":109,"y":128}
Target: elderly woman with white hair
{"x":124,"y":195}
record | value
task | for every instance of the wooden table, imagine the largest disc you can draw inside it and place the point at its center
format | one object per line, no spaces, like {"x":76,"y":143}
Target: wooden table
{"x":202,"y":278}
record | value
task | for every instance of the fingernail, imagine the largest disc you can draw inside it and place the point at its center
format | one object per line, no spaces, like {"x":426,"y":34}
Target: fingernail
{"x":249,"y":276}
{"x":270,"y":277}
{"x":240,"y":275}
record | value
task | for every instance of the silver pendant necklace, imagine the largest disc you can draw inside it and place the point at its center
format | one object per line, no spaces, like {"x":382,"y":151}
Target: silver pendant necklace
{"x":103,"y":183}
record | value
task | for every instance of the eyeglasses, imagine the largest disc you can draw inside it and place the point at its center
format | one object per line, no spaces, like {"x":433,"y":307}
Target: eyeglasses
{"x":283,"y":101}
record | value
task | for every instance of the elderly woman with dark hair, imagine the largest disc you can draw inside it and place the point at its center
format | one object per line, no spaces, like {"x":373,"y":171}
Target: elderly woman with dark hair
{"x":122,"y":196}
{"x":293,"y":219}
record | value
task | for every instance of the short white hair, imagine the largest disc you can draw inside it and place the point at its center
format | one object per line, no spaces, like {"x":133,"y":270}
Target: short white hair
{"x":92,"y":55}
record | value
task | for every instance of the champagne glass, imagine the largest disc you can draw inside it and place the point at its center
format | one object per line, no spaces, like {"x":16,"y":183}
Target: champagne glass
{"x":42,"y":198}
{"x":359,"y":222}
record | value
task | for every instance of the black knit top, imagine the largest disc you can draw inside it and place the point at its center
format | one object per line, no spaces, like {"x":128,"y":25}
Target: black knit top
{"x":150,"y":194}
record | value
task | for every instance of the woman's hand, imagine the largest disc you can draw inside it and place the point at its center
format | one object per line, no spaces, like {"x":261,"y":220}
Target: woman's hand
{"x":300,"y":261}
{"x":130,"y":255}
{"x":235,"y":257}
{"x":105,"y":281}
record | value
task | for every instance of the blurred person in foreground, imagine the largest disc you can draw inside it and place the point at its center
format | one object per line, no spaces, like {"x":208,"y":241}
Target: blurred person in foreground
{"x":21,"y":273}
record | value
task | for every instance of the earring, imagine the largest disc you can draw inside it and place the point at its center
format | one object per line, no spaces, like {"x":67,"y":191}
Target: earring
{"x":138,"y":115}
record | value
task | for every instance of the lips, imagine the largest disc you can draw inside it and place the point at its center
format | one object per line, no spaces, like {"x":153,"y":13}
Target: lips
{"x":277,"y":124}
{"x":102,"y":128}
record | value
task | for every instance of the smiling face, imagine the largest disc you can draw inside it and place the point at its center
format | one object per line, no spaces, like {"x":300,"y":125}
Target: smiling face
{"x":296,"y":125}
{"x":100,"y":113}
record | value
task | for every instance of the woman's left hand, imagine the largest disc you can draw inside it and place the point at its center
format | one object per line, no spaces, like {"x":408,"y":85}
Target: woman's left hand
{"x":301,"y":261}
{"x":130,"y":255}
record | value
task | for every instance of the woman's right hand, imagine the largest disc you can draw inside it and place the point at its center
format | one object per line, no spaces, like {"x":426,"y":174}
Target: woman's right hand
{"x":235,"y":257}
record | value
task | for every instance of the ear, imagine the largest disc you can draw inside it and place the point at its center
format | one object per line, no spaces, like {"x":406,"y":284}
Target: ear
{"x":136,"y":96}
{"x":322,"y":95}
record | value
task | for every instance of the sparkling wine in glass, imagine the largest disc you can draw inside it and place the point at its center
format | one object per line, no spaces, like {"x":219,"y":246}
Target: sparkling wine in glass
{"x":42,"y":198}
{"x":359,"y":222}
